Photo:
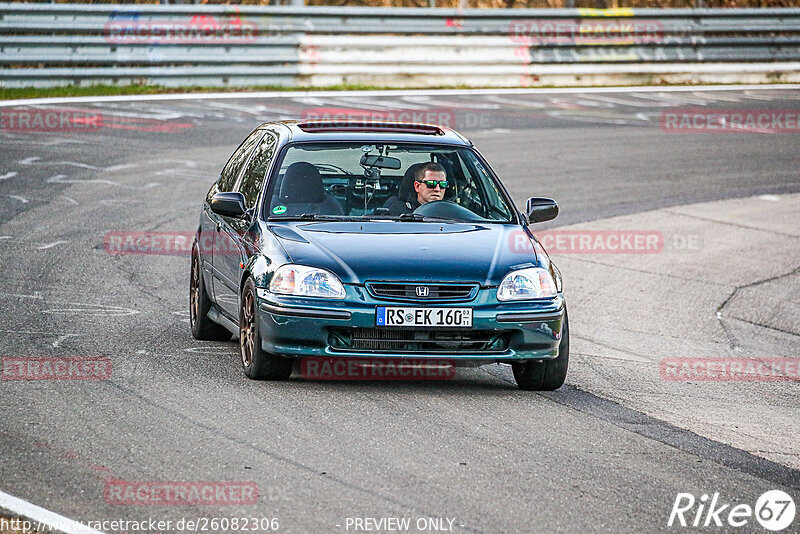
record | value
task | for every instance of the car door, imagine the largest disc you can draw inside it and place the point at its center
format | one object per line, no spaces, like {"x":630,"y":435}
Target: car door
{"x":228,"y":180}
{"x":235,"y":237}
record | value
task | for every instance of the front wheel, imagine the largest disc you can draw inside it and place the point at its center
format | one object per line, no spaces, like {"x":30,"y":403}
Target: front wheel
{"x":257,"y":364}
{"x":545,"y":375}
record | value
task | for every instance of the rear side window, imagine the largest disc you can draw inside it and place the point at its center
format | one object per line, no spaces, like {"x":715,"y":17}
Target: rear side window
{"x":229,"y":174}
{"x":256,"y":172}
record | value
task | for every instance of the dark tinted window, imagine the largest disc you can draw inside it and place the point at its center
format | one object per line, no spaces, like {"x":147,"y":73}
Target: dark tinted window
{"x":256,"y":172}
{"x":333,"y":178}
{"x":229,"y":174}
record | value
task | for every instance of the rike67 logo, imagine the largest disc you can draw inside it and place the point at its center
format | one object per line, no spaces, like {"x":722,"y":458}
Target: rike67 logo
{"x":774,"y":510}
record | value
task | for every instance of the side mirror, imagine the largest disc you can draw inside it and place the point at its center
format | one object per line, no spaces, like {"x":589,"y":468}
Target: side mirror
{"x":228,"y":204}
{"x":541,"y":209}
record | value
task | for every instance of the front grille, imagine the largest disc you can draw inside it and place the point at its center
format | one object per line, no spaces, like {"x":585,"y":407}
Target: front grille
{"x":409,"y":291}
{"x":409,"y":341}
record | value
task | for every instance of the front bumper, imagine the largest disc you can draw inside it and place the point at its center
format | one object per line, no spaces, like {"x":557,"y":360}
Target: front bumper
{"x":300,"y":327}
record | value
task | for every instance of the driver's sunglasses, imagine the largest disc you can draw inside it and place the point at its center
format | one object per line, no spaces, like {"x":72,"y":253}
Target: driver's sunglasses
{"x":432,"y":183}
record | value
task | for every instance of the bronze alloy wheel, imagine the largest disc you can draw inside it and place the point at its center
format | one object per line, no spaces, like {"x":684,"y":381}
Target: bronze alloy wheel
{"x":194,"y":292}
{"x":247,"y":328}
{"x":200,"y":305}
{"x":258,"y":364}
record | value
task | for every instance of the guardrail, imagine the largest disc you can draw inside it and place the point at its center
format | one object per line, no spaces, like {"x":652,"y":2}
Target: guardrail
{"x":59,"y":44}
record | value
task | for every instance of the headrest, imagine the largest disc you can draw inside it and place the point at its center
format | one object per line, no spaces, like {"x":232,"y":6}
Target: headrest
{"x":302,"y":183}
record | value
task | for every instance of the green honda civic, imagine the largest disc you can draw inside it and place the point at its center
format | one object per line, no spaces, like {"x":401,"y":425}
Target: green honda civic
{"x":377,"y":241}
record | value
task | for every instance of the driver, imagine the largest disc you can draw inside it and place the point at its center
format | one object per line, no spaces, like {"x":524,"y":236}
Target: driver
{"x":430,"y":183}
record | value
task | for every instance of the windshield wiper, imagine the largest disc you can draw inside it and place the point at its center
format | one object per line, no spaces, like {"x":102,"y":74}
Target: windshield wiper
{"x":427,"y":218}
{"x":312,"y":217}
{"x":362,"y":218}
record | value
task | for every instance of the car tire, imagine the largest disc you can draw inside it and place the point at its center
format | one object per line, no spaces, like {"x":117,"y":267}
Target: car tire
{"x":545,"y":375}
{"x":257,"y":364}
{"x":199,"y":304}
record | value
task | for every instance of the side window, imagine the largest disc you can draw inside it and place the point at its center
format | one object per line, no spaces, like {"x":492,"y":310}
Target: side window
{"x":228,"y":177}
{"x":256,"y":172}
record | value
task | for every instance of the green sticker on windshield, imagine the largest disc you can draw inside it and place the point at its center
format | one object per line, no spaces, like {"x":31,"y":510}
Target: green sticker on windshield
{"x":279,"y":210}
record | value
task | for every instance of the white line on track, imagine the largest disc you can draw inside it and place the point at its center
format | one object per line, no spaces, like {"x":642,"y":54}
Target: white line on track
{"x":625,"y":102}
{"x":64,"y":179}
{"x":120,"y":167}
{"x":51,"y":245}
{"x":515,"y":102}
{"x":36,"y":160}
{"x":377,"y":105}
{"x":8,"y":175}
{"x":417,"y":92}
{"x":668,"y":101}
{"x":426,"y":100}
{"x":57,"y":343}
{"x":43,"y":518}
{"x":37,"y":333}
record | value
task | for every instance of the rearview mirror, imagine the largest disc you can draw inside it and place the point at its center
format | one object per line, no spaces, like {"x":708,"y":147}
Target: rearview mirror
{"x":381,"y":162}
{"x":228,"y":204}
{"x":540,"y":209}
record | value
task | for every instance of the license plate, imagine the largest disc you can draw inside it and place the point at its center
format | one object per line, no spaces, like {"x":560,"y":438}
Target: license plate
{"x":424,"y":317}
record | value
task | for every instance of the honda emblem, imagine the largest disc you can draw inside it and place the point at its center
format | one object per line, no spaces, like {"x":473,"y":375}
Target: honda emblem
{"x":422,"y":291}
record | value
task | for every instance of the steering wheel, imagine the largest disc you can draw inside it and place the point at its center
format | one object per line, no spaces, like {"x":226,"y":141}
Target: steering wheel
{"x":447,"y":210}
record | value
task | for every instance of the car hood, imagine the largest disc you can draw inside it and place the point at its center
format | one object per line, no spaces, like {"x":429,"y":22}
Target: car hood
{"x":414,"y":251}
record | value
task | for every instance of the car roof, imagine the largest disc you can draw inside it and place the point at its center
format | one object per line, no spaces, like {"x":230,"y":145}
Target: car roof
{"x":371,"y":131}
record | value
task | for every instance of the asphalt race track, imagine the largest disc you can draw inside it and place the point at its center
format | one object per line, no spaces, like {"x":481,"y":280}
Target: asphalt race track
{"x":474,"y":454}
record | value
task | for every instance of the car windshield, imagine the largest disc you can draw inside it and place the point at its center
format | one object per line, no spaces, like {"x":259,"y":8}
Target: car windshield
{"x":393,"y":181}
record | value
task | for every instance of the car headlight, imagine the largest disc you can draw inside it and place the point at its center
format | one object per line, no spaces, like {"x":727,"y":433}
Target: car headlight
{"x":302,"y":281}
{"x":524,"y":284}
